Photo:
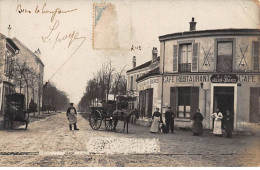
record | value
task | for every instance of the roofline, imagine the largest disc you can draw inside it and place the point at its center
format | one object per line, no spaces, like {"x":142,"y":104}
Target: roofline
{"x":207,"y":33}
{"x":136,"y":68}
{"x":30,"y":51}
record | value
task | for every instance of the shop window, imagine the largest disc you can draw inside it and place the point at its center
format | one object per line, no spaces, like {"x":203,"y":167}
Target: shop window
{"x":184,"y":102}
{"x":185,"y":58}
{"x":224,"y":56}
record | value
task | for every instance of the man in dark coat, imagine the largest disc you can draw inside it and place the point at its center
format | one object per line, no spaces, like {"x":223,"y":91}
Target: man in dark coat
{"x":169,"y":120}
{"x":229,"y":124}
{"x":72,"y":116}
{"x":197,"y":128}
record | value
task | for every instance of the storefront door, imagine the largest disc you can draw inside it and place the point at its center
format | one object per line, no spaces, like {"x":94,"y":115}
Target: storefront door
{"x":224,"y":100}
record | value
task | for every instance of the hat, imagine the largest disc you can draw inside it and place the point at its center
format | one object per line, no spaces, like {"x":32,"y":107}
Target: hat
{"x":71,"y":103}
{"x":167,"y":106}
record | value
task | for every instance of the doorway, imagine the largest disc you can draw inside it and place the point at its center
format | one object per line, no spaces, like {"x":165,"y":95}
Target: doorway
{"x":224,"y":100}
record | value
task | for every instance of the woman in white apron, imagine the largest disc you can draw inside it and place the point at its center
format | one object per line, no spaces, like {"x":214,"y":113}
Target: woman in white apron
{"x":217,"y":116}
{"x":157,"y":118}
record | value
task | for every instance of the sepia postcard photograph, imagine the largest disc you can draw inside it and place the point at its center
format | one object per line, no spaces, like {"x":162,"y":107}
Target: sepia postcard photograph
{"x":129,"y":83}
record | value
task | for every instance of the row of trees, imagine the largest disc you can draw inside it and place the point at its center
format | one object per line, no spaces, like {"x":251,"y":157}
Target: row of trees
{"x":29,"y":82}
{"x":108,"y":80}
{"x":54,"y":99}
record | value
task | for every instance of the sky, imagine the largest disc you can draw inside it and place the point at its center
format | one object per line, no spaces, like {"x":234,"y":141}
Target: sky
{"x":138,"y":23}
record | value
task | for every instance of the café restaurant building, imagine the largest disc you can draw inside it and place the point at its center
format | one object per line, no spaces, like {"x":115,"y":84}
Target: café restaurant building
{"x":211,"y":69}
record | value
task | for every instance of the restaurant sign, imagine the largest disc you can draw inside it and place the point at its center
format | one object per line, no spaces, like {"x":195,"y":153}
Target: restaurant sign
{"x":224,"y":78}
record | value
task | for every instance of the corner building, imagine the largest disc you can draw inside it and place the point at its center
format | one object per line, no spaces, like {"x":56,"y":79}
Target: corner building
{"x":212,"y":69}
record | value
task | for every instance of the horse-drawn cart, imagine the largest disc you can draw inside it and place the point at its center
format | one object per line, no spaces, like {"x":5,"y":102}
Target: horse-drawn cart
{"x":110,"y":112}
{"x":15,"y":111}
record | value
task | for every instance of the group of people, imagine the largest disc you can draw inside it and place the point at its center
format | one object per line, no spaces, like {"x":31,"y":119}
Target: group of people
{"x":197,"y":128}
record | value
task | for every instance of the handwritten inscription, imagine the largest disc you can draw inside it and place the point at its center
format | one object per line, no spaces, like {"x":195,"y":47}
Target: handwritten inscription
{"x":133,"y":48}
{"x":43,"y":10}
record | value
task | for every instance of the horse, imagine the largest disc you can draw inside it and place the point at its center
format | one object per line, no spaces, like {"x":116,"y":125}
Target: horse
{"x":125,"y":116}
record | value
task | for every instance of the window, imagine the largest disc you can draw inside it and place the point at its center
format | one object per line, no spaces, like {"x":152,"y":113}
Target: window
{"x":132,"y":83}
{"x":184,"y":102}
{"x":224,"y":56}
{"x":185,"y":58}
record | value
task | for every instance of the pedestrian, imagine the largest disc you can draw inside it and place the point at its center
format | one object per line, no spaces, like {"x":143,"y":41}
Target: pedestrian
{"x":157,"y":118}
{"x":169,"y":120}
{"x":197,"y":127}
{"x":72,"y":116}
{"x":217,"y":116}
{"x":229,"y":124}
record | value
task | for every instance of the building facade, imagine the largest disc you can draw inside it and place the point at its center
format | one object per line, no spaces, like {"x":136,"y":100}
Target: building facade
{"x":212,"y":69}
{"x":140,"y":88}
{"x":206,"y":69}
{"x":8,"y":53}
{"x":21,"y":71}
{"x":32,"y":83}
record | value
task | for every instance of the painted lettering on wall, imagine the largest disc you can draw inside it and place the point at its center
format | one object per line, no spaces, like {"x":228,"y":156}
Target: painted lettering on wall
{"x":148,"y":82}
{"x":247,"y":78}
{"x":186,"y":78}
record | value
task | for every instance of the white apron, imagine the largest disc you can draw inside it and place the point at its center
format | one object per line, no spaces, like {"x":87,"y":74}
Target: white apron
{"x":217,"y":130}
{"x":72,"y":116}
{"x":155,"y":125}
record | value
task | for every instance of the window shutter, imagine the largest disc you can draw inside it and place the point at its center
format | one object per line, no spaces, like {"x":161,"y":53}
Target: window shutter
{"x":194,"y":100}
{"x":150,"y":102}
{"x":195,"y":54}
{"x":254,"y":105}
{"x":256,"y":55}
{"x":173,"y":99}
{"x":175,"y":58}
{"x":128,"y":83}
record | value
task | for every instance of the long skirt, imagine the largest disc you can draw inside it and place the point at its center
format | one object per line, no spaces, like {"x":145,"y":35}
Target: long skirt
{"x":72,"y":118}
{"x":217,"y":127}
{"x":197,"y":127}
{"x":155,"y":125}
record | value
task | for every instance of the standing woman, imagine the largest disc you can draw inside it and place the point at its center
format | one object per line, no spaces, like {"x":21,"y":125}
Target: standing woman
{"x":217,"y":116}
{"x":157,"y":118}
{"x":197,"y":127}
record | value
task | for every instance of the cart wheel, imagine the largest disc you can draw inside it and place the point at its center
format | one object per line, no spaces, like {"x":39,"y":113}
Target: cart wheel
{"x":109,"y":123}
{"x":95,"y":119}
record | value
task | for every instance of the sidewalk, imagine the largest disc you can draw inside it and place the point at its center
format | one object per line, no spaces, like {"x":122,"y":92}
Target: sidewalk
{"x":32,"y":118}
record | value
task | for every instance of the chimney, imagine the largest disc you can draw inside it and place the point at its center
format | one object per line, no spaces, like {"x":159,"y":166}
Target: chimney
{"x":134,"y":61}
{"x":9,"y":31}
{"x":154,"y":54}
{"x":38,"y":53}
{"x":193,"y":25}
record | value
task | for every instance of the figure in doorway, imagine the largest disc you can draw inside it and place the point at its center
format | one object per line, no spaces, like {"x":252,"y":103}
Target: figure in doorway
{"x":169,"y":120}
{"x":72,"y":117}
{"x":157,"y":118}
{"x":229,"y":124}
{"x":197,"y":127}
{"x":217,"y":116}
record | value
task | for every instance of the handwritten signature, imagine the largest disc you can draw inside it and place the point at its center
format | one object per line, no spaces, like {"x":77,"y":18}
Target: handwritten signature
{"x":44,"y":10}
{"x":58,"y":37}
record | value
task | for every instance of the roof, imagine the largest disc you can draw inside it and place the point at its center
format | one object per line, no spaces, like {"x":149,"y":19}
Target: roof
{"x":215,"y":32}
{"x":10,"y":41}
{"x":147,"y":64}
{"x":38,"y":59}
{"x":153,"y":72}
{"x":144,"y":65}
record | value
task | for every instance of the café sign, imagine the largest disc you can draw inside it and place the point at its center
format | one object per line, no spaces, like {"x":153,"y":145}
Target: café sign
{"x":224,"y":78}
